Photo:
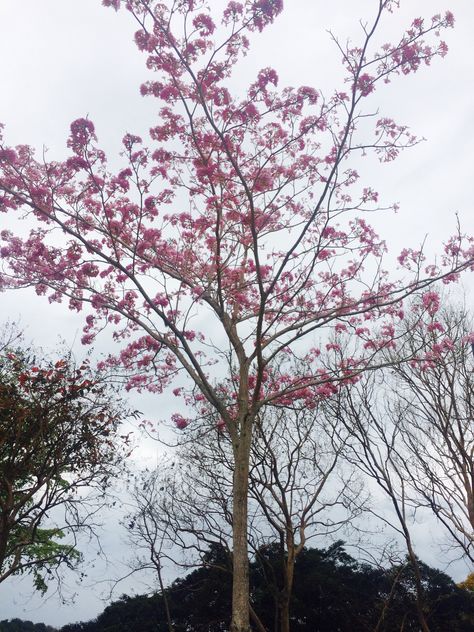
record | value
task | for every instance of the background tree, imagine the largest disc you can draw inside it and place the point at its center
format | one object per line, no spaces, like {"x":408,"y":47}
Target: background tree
{"x":375,"y":450}
{"x":262,"y":238}
{"x":302,"y":490}
{"x":411,"y":429}
{"x":59,"y":447}
{"x":18,"y":625}
{"x":468,"y":583}
{"x":298,"y":490}
{"x":332,"y":591}
{"x":433,"y":405}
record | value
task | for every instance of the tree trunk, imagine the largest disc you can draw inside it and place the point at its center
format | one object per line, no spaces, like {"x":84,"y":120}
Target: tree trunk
{"x":419,"y":589}
{"x":288,"y":571}
{"x":164,"y":596}
{"x":285,"y":613}
{"x":4,"y":533}
{"x":240,"y":585}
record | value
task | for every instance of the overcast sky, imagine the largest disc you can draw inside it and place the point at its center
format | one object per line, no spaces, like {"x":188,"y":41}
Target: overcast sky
{"x":63,"y":59}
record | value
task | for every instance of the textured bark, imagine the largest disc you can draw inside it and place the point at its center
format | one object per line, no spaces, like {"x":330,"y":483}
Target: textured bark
{"x":240,"y":586}
{"x":287,"y":590}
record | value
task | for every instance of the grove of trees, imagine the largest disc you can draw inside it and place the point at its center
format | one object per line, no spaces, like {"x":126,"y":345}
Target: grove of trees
{"x":333,"y":593}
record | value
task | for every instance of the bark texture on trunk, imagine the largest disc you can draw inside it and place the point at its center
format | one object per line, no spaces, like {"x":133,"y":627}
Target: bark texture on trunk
{"x":289,"y":569}
{"x":240,"y":584}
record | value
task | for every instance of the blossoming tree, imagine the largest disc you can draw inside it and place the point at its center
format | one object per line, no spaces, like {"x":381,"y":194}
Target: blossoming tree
{"x":229,"y":240}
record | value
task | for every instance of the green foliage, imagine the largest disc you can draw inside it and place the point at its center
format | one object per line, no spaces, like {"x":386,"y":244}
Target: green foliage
{"x":58,"y":435}
{"x":43,"y":549}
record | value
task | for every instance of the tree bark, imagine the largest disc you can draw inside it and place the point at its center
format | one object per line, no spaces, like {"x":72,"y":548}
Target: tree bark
{"x":285,"y":612}
{"x":287,"y":590}
{"x":240,"y":585}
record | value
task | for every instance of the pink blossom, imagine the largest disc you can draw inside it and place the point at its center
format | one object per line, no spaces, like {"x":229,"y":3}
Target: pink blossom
{"x":442,"y":49}
{"x":204,"y":24}
{"x":435,"y":326}
{"x":270,"y":8}
{"x":98,"y":301}
{"x":266,"y":76}
{"x":76,"y":163}
{"x":115,"y":4}
{"x":87,"y":339}
{"x":145,"y":41}
{"x":251,"y":110}
{"x":326,"y":390}
{"x":161,"y":300}
{"x":308,"y":93}
{"x":233,"y":11}
{"x":369,"y":195}
{"x":169,"y":93}
{"x":263,"y":182}
{"x":325,"y":254}
{"x":129,"y":140}
{"x":431,"y":302}
{"x":449,"y":19}
{"x":8,"y":155}
{"x":82,"y":132}
{"x":179,"y":421}
{"x":365,"y":84}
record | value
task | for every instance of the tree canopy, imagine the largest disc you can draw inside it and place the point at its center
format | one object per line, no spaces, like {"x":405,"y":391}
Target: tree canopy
{"x":59,"y":446}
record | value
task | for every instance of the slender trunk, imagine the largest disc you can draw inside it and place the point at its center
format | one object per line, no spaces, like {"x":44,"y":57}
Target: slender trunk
{"x":399,"y":507}
{"x":288,"y":572}
{"x":285,"y":612}
{"x":256,"y":620}
{"x":389,"y":600}
{"x":240,"y":585}
{"x":419,"y":588}
{"x":4,"y":532}
{"x":165,"y":600}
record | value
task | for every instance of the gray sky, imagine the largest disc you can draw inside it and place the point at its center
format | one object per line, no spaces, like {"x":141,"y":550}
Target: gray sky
{"x":62,"y":59}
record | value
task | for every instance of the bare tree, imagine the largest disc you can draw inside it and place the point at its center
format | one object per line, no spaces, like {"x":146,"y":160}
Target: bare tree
{"x":435,"y":413}
{"x":299,"y":486}
{"x":376,"y":449}
{"x":412,"y":429}
{"x":297,"y":491}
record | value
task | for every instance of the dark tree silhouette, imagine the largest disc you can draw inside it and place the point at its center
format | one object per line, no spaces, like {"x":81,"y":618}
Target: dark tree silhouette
{"x":332,"y":593}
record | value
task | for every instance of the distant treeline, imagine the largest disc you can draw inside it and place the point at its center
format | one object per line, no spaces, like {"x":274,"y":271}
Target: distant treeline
{"x":18,"y":625}
{"x":332,"y":593}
